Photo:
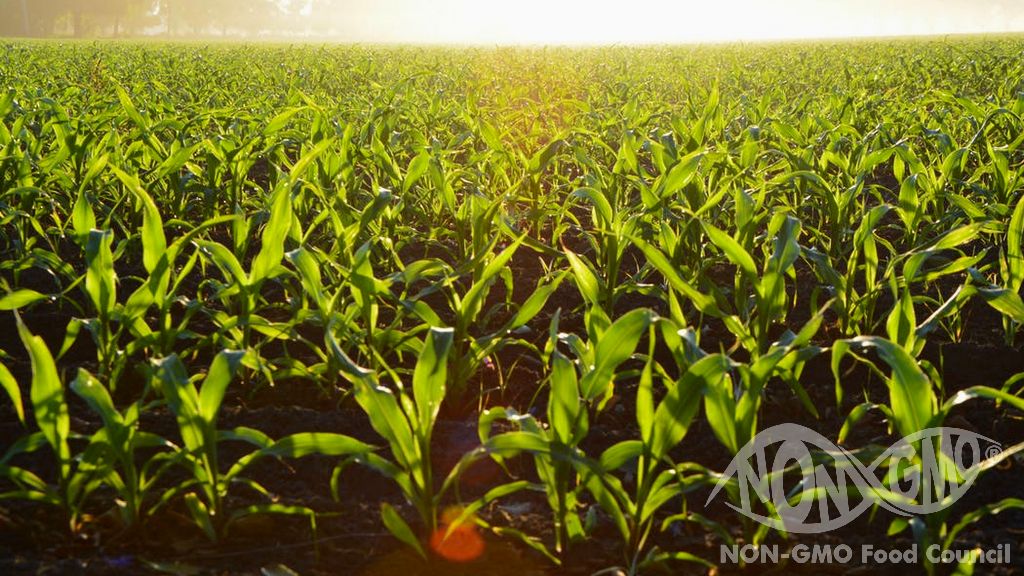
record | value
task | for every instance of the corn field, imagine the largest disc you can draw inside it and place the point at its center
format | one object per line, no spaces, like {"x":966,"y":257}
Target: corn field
{"x":322,"y":310}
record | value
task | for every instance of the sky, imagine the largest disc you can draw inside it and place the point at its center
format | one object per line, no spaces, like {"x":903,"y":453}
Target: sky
{"x":658,"y":21}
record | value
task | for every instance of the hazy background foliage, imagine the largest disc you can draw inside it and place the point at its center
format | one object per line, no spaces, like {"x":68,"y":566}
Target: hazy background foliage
{"x":508,"y":22}
{"x":118,"y":18}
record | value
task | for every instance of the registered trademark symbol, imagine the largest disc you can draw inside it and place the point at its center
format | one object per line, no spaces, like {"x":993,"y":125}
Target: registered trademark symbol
{"x":993,"y":451}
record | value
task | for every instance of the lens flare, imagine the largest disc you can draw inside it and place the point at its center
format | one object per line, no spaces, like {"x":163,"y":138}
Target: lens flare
{"x":459,"y":544}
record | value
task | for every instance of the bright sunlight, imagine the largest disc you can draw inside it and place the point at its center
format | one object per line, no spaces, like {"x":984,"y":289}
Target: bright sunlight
{"x":657,"y":21}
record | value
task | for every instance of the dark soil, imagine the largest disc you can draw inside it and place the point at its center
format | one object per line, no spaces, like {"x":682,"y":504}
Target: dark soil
{"x":350,"y":538}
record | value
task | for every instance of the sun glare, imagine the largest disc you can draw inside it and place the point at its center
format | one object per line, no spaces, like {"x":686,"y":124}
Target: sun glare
{"x":659,"y":21}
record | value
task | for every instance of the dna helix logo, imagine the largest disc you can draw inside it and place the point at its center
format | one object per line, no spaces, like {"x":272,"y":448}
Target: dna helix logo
{"x":920,"y":474}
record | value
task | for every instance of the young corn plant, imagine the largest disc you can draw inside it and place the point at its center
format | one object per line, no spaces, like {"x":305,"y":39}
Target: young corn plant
{"x":352,"y":310}
{"x":577,"y":391}
{"x":337,"y":286}
{"x":1006,"y":297}
{"x":118,"y":443}
{"x":101,"y":288}
{"x":612,"y":228}
{"x":914,"y":406}
{"x":474,"y":346}
{"x":855,"y":288}
{"x":242,"y":292}
{"x":160,"y":290}
{"x":165,"y":282}
{"x":654,"y":480}
{"x":196,"y":412}
{"x":732,"y":403}
{"x":753,"y":317}
{"x":78,"y":474}
{"x":405,"y":418}
{"x":733,"y":411}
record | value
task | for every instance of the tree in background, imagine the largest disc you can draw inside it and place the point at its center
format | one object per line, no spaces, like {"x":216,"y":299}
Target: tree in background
{"x":30,"y":17}
{"x":123,"y":16}
{"x":82,"y":18}
{"x":249,"y":17}
{"x":201,"y":17}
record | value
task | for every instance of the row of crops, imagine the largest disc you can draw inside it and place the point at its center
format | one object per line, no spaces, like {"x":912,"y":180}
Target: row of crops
{"x":583,"y":253}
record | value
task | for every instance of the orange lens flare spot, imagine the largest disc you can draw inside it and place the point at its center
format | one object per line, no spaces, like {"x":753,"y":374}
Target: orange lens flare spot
{"x":462,"y":544}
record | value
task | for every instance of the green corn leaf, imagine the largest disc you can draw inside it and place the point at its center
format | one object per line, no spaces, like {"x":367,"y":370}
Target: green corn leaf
{"x":512,"y":443}
{"x":140,"y":300}
{"x":704,"y":302}
{"x":492,"y":495}
{"x":83,"y":219}
{"x":897,"y":526}
{"x":600,"y":202}
{"x":245,"y":434}
{"x":958,"y":236}
{"x":673,"y":416}
{"x":96,"y":395}
{"x":663,"y":557}
{"x":182,"y":399}
{"x":608,"y":503}
{"x":616,"y":346}
{"x":154,"y":242}
{"x":909,"y":202}
{"x":274,"y":235}
{"x":130,"y":109}
{"x":47,"y":395}
{"x":400,"y":529}
{"x":387,"y":419}
{"x":911,"y":396}
{"x":732,"y":249}
{"x":299,"y":169}
{"x":222,"y":371}
{"x":201,"y":515}
{"x":10,"y":386}
{"x":564,"y":402}
{"x":490,"y":135}
{"x":986,"y":392}
{"x":96,"y":167}
{"x":278,"y":509}
{"x":100,"y":278}
{"x":665,"y":488}
{"x":857,"y":414}
{"x":20,"y":299}
{"x":902,"y":322}
{"x":681,"y":174}
{"x":586,"y":281}
{"x":721,"y":411}
{"x":787,"y":247}
{"x":975,"y":515}
{"x":535,"y":303}
{"x":1004,"y":300}
{"x":175,"y":161}
{"x":71,"y":335}
{"x":1014,"y":247}
{"x":418,"y":166}
{"x":279,"y":122}
{"x":323,"y":443}
{"x":645,"y":401}
{"x":7,"y":102}
{"x":473,"y":300}
{"x":225,"y":261}
{"x":37,"y":491}
{"x":620,"y":454}
{"x":429,"y":380}
{"x":309,"y":275}
{"x":539,"y":161}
